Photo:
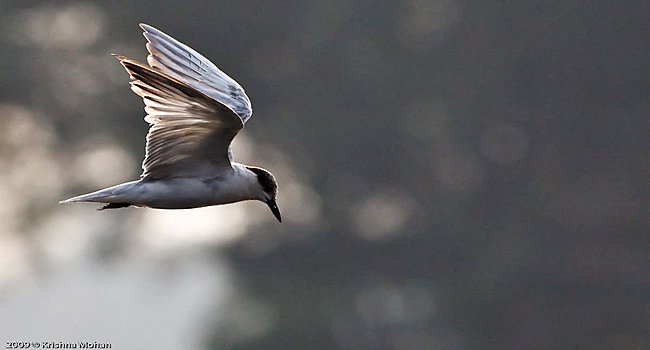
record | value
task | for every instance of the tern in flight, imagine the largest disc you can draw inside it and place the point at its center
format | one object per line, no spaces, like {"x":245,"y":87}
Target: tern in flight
{"x":194,"y":111}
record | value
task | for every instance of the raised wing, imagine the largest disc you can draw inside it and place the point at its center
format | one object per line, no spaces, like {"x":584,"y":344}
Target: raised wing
{"x":190,"y":132}
{"x":183,"y":63}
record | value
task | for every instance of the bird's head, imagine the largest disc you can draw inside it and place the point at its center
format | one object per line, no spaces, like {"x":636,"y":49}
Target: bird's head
{"x":268,"y":188}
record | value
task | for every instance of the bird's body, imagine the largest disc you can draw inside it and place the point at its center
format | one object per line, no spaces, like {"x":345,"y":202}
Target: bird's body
{"x":181,"y":192}
{"x":195,"y":110}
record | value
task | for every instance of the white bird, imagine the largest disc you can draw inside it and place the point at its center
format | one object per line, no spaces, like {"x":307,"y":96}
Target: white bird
{"x":195,"y":110}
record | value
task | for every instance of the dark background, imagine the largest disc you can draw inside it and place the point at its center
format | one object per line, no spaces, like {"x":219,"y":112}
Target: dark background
{"x":453,"y":175}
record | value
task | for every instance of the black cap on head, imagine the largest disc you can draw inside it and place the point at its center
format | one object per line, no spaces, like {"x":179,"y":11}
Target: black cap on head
{"x":266,"y":180}
{"x":270,"y":186}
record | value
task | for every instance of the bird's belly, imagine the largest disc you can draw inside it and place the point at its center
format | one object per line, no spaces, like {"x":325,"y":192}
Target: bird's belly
{"x":185,"y":193}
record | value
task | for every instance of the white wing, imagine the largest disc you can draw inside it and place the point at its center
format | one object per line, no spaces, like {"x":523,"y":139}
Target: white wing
{"x":190,"y":132}
{"x":181,"y":62}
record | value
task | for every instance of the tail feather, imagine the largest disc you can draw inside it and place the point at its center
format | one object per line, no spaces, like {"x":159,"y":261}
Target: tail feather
{"x":97,"y":197}
{"x":109,"y":195}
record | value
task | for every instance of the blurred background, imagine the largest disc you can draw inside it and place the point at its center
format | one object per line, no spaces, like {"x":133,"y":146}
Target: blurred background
{"x":453,"y":175}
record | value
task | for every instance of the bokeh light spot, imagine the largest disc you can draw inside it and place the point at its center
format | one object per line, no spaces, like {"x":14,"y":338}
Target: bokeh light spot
{"x":381,"y":215}
{"x":178,"y":229}
{"x":69,"y":27}
{"x":104,"y":164}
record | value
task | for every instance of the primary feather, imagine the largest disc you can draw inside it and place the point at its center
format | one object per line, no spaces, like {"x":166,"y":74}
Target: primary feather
{"x":180,"y":61}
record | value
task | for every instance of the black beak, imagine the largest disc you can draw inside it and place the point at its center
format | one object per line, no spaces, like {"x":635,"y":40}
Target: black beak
{"x":274,"y":209}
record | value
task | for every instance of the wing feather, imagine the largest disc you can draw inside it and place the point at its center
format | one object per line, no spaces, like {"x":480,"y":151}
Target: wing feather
{"x":179,"y":61}
{"x":190,"y":132}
